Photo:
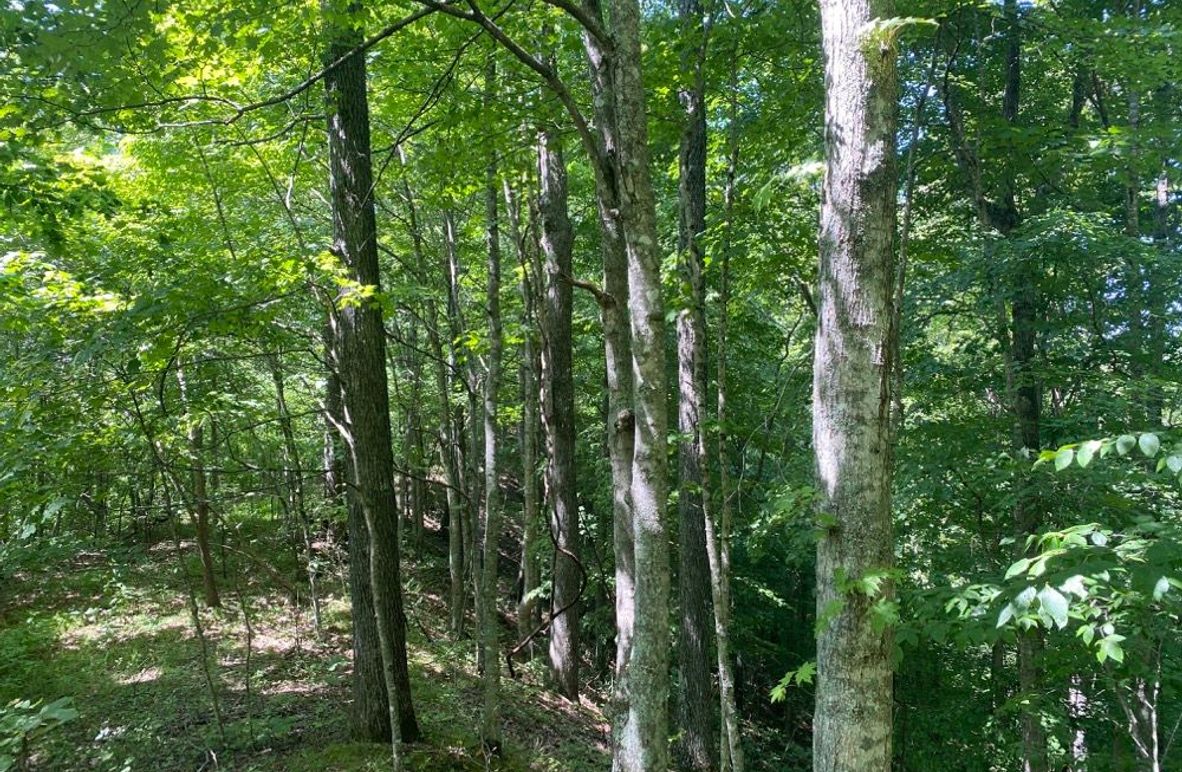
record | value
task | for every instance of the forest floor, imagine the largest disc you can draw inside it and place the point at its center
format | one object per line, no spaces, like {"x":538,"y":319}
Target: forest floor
{"x":112,"y":629}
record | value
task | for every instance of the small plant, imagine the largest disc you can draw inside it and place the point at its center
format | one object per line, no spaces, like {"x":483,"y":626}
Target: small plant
{"x":23,"y":722}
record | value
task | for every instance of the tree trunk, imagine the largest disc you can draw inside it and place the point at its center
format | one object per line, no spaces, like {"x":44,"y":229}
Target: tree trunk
{"x":528,"y":610}
{"x":558,"y":413}
{"x":489,"y":628}
{"x":452,"y":447}
{"x":201,"y":517}
{"x":200,"y":500}
{"x":731,"y":749}
{"x":851,"y":400}
{"x":617,"y":345}
{"x":360,"y":353}
{"x":294,"y":473}
{"x":644,"y":736}
{"x":696,"y":748}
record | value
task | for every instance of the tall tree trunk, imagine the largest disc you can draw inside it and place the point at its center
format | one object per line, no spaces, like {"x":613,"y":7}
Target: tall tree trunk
{"x":360,"y":354}
{"x":730,"y":748}
{"x":452,"y":452}
{"x":851,"y":400}
{"x":695,"y":700}
{"x":489,"y":628}
{"x":558,"y":412}
{"x":1025,"y":392}
{"x":528,"y":610}
{"x":617,"y":345}
{"x":644,"y":736}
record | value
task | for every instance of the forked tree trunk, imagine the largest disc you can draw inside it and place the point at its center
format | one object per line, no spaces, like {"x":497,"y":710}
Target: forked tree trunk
{"x":360,"y":356}
{"x":851,"y":400}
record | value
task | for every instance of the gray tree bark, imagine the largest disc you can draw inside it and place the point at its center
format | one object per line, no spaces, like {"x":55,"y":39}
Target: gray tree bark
{"x":528,"y":609}
{"x":489,"y":628}
{"x":617,"y":345}
{"x":718,"y":544}
{"x":644,"y":735}
{"x":696,"y":703}
{"x":851,"y":400}
{"x":558,"y":411}
{"x":359,"y":345}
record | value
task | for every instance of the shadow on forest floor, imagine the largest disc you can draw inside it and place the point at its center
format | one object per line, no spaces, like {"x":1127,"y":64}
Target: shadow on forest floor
{"x":114,"y":632}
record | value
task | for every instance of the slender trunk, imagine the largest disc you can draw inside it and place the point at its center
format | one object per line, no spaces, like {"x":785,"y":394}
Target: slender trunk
{"x":617,"y":345}
{"x":1157,"y":299}
{"x":558,"y":413}
{"x":528,"y":610}
{"x":200,"y":499}
{"x":449,"y":441}
{"x":730,"y":747}
{"x":695,"y":700}
{"x":468,"y":429}
{"x":644,"y":735}
{"x":201,"y":517}
{"x":294,"y":472}
{"x":489,"y":628}
{"x":360,"y":353}
{"x":851,"y":399}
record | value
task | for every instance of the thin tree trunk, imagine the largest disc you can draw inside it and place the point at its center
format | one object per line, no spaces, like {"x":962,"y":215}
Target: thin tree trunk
{"x":294,"y":472}
{"x":489,"y":627}
{"x":528,"y":610}
{"x":617,"y":345}
{"x":360,"y":354}
{"x":730,"y":747}
{"x":200,"y":499}
{"x":695,"y":700}
{"x":558,"y":412}
{"x":851,"y":399}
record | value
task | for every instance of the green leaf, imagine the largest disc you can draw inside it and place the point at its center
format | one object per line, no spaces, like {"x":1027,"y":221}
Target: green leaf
{"x":1017,"y":568}
{"x":1084,"y":455}
{"x":1125,"y":443}
{"x":1174,"y":463}
{"x":1025,"y":598}
{"x":1161,"y":588}
{"x":1007,"y":613}
{"x":1064,"y":458}
{"x":1110,"y":649}
{"x":1054,"y":604}
{"x":1149,"y":444}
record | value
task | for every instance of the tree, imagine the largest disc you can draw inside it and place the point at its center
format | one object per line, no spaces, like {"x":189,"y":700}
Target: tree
{"x":851,"y":403}
{"x":558,"y":412}
{"x":359,"y":354}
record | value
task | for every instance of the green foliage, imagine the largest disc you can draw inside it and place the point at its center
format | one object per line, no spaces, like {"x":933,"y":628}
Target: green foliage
{"x":24,"y":722}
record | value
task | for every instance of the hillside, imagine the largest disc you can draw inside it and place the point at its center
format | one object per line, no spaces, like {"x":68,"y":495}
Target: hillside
{"x":111,"y":629}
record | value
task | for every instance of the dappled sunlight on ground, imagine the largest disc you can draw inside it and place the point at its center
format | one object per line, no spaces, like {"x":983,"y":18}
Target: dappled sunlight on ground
{"x":116,"y":634}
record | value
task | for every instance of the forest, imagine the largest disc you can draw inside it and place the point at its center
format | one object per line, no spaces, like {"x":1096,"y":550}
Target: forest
{"x":694,"y":385}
